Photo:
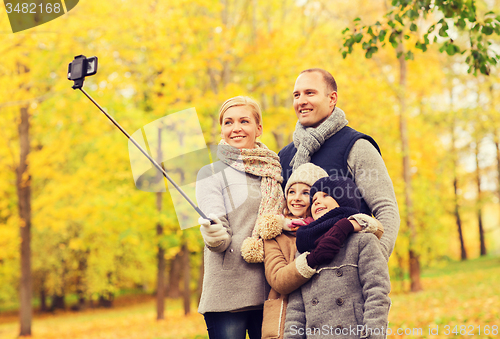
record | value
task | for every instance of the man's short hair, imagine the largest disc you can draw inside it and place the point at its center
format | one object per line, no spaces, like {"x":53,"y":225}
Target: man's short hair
{"x":331,"y":84}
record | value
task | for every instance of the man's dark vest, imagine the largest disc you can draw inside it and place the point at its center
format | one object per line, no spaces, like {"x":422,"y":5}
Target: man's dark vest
{"x":332,"y":156}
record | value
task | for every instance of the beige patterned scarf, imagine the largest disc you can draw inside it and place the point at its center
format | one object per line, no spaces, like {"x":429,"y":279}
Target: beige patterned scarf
{"x":262,"y":162}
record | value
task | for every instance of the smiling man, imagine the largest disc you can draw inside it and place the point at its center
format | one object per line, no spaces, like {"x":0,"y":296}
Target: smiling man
{"x":323,"y":138}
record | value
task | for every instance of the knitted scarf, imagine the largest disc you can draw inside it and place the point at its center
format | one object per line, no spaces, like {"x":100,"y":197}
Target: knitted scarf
{"x":262,"y":162}
{"x":308,"y":140}
{"x":307,"y":235}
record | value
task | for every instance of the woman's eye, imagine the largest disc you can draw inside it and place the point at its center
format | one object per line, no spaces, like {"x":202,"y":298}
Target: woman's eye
{"x":227,"y":122}
{"x":306,"y":193}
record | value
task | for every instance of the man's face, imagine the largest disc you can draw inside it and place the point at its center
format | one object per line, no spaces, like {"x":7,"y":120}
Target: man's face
{"x":312,"y":102}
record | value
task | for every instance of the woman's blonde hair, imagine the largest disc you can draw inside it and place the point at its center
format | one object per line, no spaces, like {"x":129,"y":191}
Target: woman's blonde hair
{"x":241,"y":101}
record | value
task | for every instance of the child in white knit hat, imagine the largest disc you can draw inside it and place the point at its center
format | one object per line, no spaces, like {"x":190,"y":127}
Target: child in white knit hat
{"x":297,"y":211}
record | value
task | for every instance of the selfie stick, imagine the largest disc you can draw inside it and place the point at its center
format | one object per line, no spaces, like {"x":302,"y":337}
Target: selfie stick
{"x":147,"y":155}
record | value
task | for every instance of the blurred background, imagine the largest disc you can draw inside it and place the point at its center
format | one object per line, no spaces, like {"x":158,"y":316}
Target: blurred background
{"x":98,"y":244}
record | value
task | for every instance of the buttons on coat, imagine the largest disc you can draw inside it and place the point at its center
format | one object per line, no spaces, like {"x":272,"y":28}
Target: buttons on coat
{"x":315,"y":302}
{"x":231,"y":250}
{"x":339,"y":301}
{"x":339,"y":272}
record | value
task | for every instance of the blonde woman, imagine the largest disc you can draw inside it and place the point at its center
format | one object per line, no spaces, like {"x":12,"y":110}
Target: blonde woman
{"x":235,"y":192}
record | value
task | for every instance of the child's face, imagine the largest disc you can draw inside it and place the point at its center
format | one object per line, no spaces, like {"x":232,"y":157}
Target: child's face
{"x":297,"y":200}
{"x":321,"y":204}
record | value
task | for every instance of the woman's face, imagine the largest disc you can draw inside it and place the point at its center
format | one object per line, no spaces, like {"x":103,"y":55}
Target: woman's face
{"x":297,"y":200}
{"x":239,"y":128}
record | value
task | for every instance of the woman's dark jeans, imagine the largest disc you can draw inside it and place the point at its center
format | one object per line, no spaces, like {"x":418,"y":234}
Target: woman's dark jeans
{"x":233,"y":325}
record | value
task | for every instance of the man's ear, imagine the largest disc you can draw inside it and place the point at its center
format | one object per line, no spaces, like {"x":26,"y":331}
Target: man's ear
{"x":333,"y":98}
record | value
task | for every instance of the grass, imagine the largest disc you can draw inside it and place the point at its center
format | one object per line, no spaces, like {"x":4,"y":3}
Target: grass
{"x":461,"y":296}
{"x":125,"y":322}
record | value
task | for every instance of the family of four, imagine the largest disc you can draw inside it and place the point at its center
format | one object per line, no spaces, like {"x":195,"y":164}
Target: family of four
{"x":299,"y":241}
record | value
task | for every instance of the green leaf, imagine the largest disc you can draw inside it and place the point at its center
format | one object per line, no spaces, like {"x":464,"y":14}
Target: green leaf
{"x":461,"y":23}
{"x":421,"y":46}
{"x":483,"y":69}
{"x":406,"y":36}
{"x":409,"y":55}
{"x":357,"y":19}
{"x":413,"y":27}
{"x":426,"y":39}
{"x":487,"y":30}
{"x":443,"y":29}
{"x":398,"y":18}
{"x":382,"y":35}
{"x":358,"y":37}
{"x":450,"y":49}
{"x":345,"y":30}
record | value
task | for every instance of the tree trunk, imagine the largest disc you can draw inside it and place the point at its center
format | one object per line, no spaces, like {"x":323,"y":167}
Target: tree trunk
{"x":458,"y":220}
{"x":175,"y":277}
{"x":43,"y":299}
{"x":413,"y":255}
{"x":23,"y":185}
{"x":463,"y":251}
{"x":160,"y":280}
{"x":479,"y":203}
{"x":497,"y":145}
{"x":57,"y":302}
{"x":200,"y":279}
{"x":187,"y":277}
{"x":81,"y":287}
{"x":160,"y":286}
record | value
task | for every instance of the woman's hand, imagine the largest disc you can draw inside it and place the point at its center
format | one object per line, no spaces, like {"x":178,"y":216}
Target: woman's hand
{"x":213,"y":234}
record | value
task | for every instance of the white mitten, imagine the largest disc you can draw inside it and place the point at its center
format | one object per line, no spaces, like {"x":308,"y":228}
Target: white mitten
{"x":213,"y":234}
{"x":368,"y":224}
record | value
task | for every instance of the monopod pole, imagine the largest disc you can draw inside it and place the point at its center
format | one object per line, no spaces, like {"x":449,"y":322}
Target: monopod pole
{"x":147,"y":156}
